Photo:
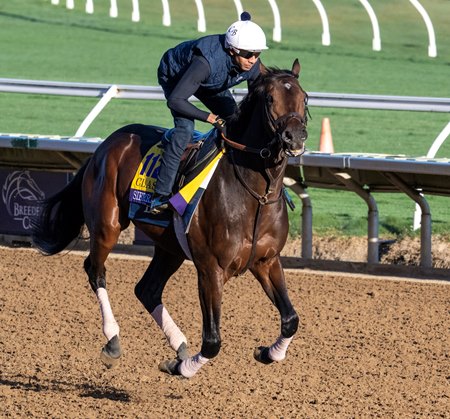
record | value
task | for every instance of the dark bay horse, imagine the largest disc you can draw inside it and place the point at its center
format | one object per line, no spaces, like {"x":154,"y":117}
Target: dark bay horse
{"x":241,"y":222}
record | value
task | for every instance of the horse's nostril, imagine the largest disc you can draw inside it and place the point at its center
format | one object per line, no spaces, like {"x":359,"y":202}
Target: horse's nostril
{"x":287,"y":136}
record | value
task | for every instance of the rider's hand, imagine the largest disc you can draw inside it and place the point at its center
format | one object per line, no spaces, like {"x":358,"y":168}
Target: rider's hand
{"x":219,"y":123}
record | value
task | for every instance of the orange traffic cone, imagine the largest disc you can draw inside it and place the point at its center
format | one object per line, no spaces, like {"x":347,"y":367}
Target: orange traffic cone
{"x":326,"y":140}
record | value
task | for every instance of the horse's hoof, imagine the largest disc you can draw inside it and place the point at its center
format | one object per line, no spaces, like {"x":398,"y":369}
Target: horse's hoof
{"x":108,"y":361}
{"x":111,"y":352}
{"x":182,"y":352}
{"x":170,"y":366}
{"x":261,"y":354}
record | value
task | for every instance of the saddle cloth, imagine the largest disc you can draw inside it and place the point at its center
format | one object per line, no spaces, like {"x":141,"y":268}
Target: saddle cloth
{"x":197,"y":167}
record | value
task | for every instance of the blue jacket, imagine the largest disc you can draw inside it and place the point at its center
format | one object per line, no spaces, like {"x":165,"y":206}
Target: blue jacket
{"x":224,"y":73}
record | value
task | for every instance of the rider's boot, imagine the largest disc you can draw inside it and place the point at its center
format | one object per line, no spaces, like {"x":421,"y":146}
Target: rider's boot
{"x":159,"y":203}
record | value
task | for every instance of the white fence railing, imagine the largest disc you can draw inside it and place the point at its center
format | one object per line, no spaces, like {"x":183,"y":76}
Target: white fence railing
{"x":125,"y":91}
{"x":339,"y":169}
{"x":106,"y":92}
{"x":201,"y":21}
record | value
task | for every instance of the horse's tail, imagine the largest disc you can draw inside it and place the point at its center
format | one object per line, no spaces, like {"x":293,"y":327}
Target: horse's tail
{"x":61,"y":218}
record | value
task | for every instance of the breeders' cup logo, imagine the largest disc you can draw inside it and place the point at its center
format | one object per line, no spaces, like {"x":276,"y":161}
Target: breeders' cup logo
{"x":20,"y":194}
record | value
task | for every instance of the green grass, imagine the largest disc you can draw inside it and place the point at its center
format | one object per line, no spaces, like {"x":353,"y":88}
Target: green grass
{"x":45,"y":42}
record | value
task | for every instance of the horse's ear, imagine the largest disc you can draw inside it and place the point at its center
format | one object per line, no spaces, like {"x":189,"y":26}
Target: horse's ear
{"x":262,"y":68}
{"x":296,"y":68}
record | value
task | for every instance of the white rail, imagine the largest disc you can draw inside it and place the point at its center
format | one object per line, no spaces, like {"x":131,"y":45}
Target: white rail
{"x":125,"y":91}
{"x":201,"y":22}
{"x":239,"y":8}
{"x":335,"y":100}
{"x":376,"y":41}
{"x":432,"y":50}
{"x":113,"y":11}
{"x":166,"y":20}
{"x":107,"y":92}
{"x":344,"y":171}
{"x":89,"y":6}
{"x":135,"y":13}
{"x":325,"y":25}
{"x":276,"y":36}
{"x":112,"y":91}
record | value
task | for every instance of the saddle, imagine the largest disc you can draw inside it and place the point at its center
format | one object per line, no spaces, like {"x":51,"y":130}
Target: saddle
{"x":196,"y":157}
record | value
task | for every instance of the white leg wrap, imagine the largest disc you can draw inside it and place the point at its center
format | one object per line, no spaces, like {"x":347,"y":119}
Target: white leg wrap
{"x":168,"y":326}
{"x":190,"y":366}
{"x":277,"y":352}
{"x":110,"y":326}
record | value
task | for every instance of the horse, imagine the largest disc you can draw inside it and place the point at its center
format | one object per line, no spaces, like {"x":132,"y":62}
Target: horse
{"x":240,"y":224}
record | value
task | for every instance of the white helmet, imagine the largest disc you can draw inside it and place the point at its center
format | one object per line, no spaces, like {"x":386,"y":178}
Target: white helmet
{"x":244,"y":34}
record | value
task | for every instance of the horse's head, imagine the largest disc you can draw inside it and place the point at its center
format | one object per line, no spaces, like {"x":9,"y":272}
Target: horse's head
{"x":286,"y":108}
{"x":273,"y":115}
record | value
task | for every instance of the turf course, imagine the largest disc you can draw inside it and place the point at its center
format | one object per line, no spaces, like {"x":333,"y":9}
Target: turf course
{"x":45,"y":42}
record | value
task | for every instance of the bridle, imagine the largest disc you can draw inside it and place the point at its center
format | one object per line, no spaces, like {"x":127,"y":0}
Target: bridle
{"x":274,"y":128}
{"x":278,"y":126}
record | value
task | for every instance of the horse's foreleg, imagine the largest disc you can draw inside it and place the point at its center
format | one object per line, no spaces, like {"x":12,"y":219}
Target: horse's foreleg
{"x":210,"y":290}
{"x":149,"y":292}
{"x":271,"y":277}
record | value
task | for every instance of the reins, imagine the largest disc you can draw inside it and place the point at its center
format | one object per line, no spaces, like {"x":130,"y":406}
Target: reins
{"x":262,"y":152}
{"x":274,"y":125}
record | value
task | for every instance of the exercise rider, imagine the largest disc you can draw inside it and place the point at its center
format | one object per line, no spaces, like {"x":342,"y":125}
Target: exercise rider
{"x":205,"y":68}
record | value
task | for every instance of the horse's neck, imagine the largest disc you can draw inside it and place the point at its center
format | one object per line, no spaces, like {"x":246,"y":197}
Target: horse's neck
{"x":252,"y":132}
{"x":255,"y":174}
{"x":255,"y":171}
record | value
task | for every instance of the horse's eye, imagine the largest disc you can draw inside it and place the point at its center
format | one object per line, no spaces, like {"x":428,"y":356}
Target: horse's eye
{"x":269,"y":99}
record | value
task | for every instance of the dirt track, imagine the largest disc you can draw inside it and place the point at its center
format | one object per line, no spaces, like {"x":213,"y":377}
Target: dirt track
{"x":365,"y":348}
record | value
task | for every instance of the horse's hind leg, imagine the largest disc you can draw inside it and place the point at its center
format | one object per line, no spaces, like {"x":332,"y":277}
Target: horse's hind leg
{"x":271,"y":277}
{"x":104,"y":229}
{"x":111,"y":352}
{"x":149,"y":292}
{"x":210,"y":284}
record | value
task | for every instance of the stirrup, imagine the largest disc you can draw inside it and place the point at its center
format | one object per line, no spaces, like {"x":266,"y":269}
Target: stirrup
{"x":158,"y":204}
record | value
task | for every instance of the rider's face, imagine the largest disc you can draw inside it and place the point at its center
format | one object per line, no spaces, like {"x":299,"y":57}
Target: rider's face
{"x":245,"y":59}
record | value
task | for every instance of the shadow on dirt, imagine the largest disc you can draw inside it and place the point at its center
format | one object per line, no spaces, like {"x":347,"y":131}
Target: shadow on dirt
{"x":33,"y":383}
